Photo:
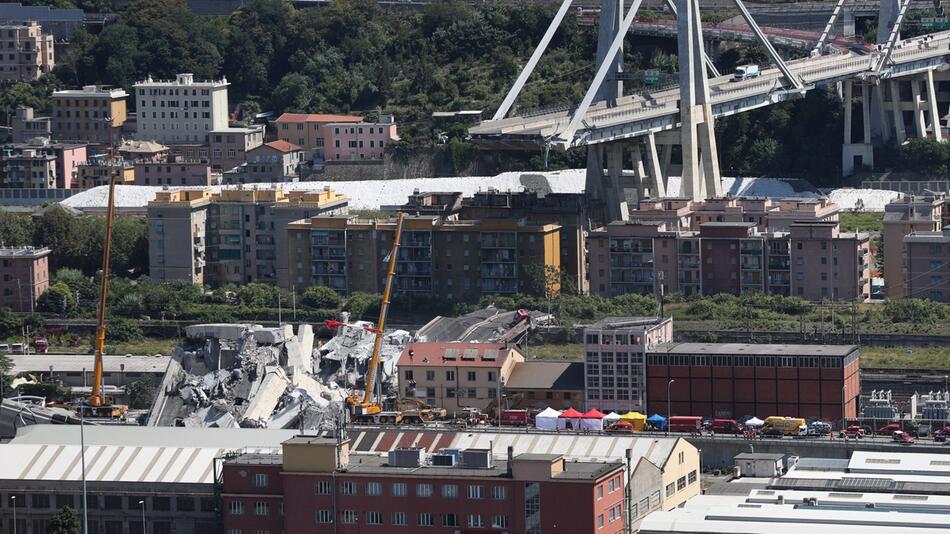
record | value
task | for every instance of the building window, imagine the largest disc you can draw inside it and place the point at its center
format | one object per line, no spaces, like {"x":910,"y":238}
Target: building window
{"x":423,"y":490}
{"x":430,"y":375}
{"x":322,"y":487}
{"x":350,"y":516}
{"x":399,"y":489}
{"x":261,"y":508}
{"x":450,"y":491}
{"x":680,"y":483}
{"x":471,"y":376}
{"x":400,"y":519}
{"x":374,"y":489}
{"x":670,"y":489}
{"x":475,"y":521}
{"x":600,"y":521}
{"x":324,"y":516}
{"x":236,"y":508}
{"x":450,"y":376}
{"x":424,"y":519}
{"x":499,"y":493}
{"x":348,"y":487}
{"x":374,"y":518}
{"x":476,"y":492}
{"x":499,"y":521}
{"x":260,"y":480}
{"x":450,"y":520}
{"x":692,"y":476}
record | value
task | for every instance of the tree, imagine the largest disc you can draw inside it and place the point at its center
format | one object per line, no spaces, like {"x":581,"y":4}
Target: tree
{"x":123,"y":330}
{"x":58,"y":299}
{"x":9,"y":323}
{"x":15,"y":230}
{"x":320,"y":297}
{"x":65,"y":521}
{"x":295,"y":92}
{"x":141,"y":392}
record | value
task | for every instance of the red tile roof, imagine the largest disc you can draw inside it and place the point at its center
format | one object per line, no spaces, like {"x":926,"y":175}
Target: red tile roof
{"x":317,"y":117}
{"x":435,"y":354}
{"x":283,"y":146}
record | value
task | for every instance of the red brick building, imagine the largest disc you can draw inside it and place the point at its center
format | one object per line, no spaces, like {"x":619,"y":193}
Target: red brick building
{"x":738,"y":379}
{"x":24,"y":276}
{"x":316,"y":486}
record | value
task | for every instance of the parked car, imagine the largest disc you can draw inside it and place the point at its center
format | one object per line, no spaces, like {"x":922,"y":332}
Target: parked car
{"x":620,"y":427}
{"x":41,"y":344}
{"x":724,"y":426}
{"x":942,"y":435}
{"x":4,"y":348}
{"x":17,"y":348}
{"x":852,"y":432}
{"x":889,"y":429}
{"x":902,"y":438}
{"x":819,"y":428}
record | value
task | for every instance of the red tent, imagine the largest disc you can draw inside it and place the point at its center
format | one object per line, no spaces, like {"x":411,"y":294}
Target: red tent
{"x":571,"y":413}
{"x":592,"y":414}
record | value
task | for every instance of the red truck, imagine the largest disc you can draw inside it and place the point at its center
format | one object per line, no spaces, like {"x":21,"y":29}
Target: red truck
{"x":685,"y":423}
{"x":724,"y":426}
{"x":514,"y":417}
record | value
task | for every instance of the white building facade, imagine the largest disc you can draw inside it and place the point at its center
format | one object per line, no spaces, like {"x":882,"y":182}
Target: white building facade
{"x":181,"y":111}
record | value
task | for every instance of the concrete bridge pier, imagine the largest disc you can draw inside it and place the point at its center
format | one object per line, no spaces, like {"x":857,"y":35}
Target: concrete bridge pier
{"x":856,"y":155}
{"x":847,"y":22}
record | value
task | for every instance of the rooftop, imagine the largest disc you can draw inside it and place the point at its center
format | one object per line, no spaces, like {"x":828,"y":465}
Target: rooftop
{"x":23,"y":252}
{"x":556,"y":375}
{"x":76,"y":363}
{"x":759,"y":456}
{"x":454,"y":354}
{"x":182,"y":79}
{"x":759,"y":349}
{"x":92,"y":90}
{"x":283,"y":146}
{"x":609,"y":323}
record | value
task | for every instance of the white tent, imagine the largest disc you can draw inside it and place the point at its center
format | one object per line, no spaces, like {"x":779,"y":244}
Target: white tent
{"x":754,"y":422}
{"x":612,"y":417}
{"x":547,"y":420}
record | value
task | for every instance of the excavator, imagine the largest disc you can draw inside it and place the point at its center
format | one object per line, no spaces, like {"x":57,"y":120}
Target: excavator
{"x":363,"y":408}
{"x":97,"y":404}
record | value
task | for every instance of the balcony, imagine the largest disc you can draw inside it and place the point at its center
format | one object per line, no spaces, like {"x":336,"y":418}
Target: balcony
{"x":751,"y":264}
{"x":497,"y":271}
{"x":498,"y":256}
{"x":414,"y":269}
{"x":780,"y":263}
{"x":499,"y":286}
{"x":337,"y":283}
{"x":628,"y":261}
{"x":327,"y":252}
{"x":334,"y":269}
{"x":413,"y":284}
{"x":688,"y":263}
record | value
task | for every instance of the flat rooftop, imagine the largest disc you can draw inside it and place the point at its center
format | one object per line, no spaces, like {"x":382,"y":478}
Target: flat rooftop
{"x":758,"y":349}
{"x":23,"y":252}
{"x":625,"y":322}
{"x":76,"y":363}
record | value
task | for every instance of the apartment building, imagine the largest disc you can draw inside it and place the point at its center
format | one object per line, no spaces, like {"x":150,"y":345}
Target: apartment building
{"x":100,"y":170}
{"x":67,"y":156}
{"x":736,"y":379}
{"x":456,"y":376}
{"x":306,"y":129}
{"x":926,"y":265}
{"x":94,"y":114}
{"x":181,"y":111}
{"x":615,"y":361}
{"x":28,"y":168}
{"x":813,"y":260}
{"x":555,"y":383}
{"x":27,"y":52}
{"x":316,"y":484}
{"x":903,"y":216}
{"x":176,"y":172}
{"x":24,"y":276}
{"x":274,"y":162}
{"x":242,"y":236}
{"x":569,"y":210}
{"x":448,"y":258}
{"x":229,"y":146}
{"x":345,"y":141}
{"x":26,"y":126}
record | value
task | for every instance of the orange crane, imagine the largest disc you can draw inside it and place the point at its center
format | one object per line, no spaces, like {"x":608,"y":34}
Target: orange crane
{"x":97,"y":403}
{"x":365,"y":408}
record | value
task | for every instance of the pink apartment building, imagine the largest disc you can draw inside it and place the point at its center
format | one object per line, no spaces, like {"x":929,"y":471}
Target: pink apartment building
{"x":358,"y":141}
{"x":24,"y":276}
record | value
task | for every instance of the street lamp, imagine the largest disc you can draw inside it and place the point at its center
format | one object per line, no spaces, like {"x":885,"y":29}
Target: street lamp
{"x":13,"y":498}
{"x":844,"y":419}
{"x":669,"y":411}
{"x":946,"y":378}
{"x":142,"y":504}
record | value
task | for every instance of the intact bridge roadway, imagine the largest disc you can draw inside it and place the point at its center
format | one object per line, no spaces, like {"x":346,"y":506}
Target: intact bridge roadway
{"x":653,"y":111}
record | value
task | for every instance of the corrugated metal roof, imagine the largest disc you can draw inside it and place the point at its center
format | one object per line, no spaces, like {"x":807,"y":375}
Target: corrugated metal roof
{"x":78,"y":362}
{"x":138,"y":436}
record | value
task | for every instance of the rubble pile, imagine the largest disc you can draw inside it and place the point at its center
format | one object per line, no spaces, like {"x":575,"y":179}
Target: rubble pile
{"x":250,"y":376}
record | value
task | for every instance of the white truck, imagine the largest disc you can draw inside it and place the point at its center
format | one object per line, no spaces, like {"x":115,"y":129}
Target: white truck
{"x":745,"y":72}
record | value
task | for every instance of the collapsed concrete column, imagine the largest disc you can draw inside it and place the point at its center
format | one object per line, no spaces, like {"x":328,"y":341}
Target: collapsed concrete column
{"x":932,"y":102}
{"x":847,"y":102}
{"x":700,"y":174}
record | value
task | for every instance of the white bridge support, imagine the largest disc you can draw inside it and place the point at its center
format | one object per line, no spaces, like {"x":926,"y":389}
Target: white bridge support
{"x":700,"y":175}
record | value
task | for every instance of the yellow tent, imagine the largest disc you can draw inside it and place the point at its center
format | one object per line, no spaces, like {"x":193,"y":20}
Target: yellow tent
{"x":637,"y":419}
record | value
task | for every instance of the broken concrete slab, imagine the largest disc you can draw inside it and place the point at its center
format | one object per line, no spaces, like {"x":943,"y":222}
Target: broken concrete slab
{"x":262,"y":404}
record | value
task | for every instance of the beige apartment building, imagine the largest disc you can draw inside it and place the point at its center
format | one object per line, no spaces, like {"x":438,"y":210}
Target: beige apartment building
{"x":177,"y":222}
{"x":449,"y":258}
{"x":910,"y":214}
{"x":455,"y":376}
{"x":244,"y":232}
{"x":229,"y":146}
{"x":926,"y":266}
{"x":26,"y":126}
{"x":93,"y":114}
{"x":766,"y":215}
{"x":26,"y":54}
{"x":99,"y":171}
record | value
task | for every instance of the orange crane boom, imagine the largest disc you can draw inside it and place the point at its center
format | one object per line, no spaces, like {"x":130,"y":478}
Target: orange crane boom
{"x":383,"y":309}
{"x":96,"y":399}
